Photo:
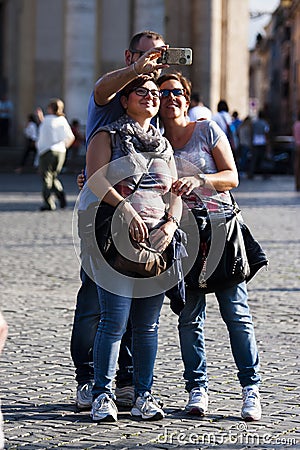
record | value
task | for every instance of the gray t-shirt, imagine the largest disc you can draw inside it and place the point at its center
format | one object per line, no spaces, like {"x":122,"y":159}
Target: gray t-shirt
{"x":196,"y":156}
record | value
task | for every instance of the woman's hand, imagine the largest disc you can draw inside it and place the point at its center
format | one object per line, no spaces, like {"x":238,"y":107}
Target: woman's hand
{"x":161,"y":237}
{"x":138,"y":229}
{"x":185,"y":185}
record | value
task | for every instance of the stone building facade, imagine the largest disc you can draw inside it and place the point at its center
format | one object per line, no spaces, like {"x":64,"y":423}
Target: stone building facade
{"x":60,"y":47}
{"x":275,"y":68}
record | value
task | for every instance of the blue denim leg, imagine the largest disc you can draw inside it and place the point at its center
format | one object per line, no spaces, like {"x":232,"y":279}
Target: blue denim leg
{"x":86,"y":320}
{"x":115,"y":312}
{"x":191,"y":335}
{"x":235,"y":312}
{"x":125,"y":372}
{"x":145,"y":318}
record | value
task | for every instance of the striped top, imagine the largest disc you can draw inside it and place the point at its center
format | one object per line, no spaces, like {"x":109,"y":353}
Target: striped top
{"x":124,"y":172}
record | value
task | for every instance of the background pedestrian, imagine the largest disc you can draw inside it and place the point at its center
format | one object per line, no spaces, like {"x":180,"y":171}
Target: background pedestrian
{"x":296,"y":134}
{"x":31,"y":135}
{"x":55,"y":136}
{"x":6,"y":113}
{"x":197,"y":109}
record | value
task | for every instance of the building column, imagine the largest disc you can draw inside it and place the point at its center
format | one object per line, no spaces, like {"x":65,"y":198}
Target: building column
{"x":201,"y":42}
{"x":235,"y":56}
{"x":149,"y":16}
{"x":80,"y":22}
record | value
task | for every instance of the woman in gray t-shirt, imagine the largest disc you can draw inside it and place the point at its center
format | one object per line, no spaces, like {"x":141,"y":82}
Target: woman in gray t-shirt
{"x":207,"y":172}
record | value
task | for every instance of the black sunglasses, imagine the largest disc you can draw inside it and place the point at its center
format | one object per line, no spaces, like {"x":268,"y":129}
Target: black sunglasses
{"x":140,"y":52}
{"x":176,"y":92}
{"x":143,"y":92}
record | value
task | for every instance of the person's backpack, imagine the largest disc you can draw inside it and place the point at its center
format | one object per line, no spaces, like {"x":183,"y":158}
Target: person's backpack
{"x":229,"y":135}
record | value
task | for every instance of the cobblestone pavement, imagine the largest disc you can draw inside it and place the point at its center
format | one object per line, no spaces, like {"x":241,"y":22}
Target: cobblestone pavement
{"x":39,"y":281}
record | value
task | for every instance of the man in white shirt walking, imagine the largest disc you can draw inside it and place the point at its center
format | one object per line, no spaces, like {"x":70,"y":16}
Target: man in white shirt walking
{"x":55,"y":136}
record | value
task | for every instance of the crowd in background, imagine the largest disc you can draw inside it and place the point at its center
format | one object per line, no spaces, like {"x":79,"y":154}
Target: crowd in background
{"x":249,"y":137}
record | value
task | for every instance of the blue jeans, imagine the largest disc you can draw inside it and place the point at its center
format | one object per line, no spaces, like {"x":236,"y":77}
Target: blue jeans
{"x":243,"y":162}
{"x":115,"y":313}
{"x":86,"y":320}
{"x":234,"y":309}
{"x":258,"y":155}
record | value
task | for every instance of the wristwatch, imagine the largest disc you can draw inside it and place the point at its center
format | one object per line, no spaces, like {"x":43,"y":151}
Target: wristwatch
{"x":202,"y":178}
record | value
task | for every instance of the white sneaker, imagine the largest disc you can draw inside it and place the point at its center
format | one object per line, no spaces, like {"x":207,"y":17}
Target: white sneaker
{"x":125,"y":396}
{"x":104,"y":409}
{"x":198,"y":402}
{"x":251,"y":409}
{"x":147,"y":408}
{"x":84,"y":396}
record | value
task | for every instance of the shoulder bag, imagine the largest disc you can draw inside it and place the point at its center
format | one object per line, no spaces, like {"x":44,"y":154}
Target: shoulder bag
{"x":142,"y":259}
{"x":241,"y":258}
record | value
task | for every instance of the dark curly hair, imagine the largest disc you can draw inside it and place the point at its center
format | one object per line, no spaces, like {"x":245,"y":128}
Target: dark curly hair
{"x":136,"y":83}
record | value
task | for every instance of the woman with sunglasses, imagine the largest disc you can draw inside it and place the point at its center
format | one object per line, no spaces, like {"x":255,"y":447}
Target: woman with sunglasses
{"x":205,"y":163}
{"x":117,"y":157}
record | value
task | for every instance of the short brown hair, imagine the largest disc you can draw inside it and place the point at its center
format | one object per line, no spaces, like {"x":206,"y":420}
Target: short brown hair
{"x":136,"y":83}
{"x":187,"y":85}
{"x":148,"y":34}
{"x":57,"y":106}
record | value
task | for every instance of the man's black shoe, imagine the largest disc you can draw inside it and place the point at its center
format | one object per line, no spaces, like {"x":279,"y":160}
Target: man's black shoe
{"x":62,"y":200}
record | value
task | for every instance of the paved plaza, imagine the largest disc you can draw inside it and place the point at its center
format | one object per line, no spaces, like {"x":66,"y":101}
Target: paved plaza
{"x":39,"y":281}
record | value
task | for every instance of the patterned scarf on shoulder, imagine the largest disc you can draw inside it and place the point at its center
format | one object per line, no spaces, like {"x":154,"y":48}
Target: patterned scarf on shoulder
{"x":135,"y":139}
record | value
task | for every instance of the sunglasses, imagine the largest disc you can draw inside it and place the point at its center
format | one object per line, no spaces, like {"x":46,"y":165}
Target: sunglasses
{"x":143,"y":92}
{"x":176,"y":92}
{"x":139,"y":52}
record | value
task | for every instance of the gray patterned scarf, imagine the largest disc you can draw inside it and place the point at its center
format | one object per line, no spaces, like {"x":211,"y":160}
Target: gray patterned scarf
{"x":134,"y":139}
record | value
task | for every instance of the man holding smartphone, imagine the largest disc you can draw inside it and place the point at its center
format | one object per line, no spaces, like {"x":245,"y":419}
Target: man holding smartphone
{"x":104,"y":107}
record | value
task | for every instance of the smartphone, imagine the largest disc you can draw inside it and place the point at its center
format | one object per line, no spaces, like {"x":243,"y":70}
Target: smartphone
{"x":181,"y":56}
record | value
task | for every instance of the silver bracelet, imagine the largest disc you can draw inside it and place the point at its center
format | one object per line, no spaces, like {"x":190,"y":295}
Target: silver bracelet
{"x":173,"y":219}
